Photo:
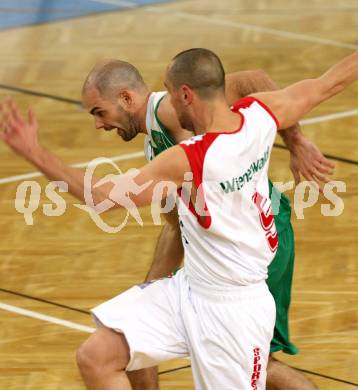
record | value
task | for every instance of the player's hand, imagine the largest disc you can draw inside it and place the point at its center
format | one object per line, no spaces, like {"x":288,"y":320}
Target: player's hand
{"x":307,"y":160}
{"x":19,"y":134}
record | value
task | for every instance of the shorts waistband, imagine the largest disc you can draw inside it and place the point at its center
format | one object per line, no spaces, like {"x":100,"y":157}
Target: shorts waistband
{"x":231,"y":293}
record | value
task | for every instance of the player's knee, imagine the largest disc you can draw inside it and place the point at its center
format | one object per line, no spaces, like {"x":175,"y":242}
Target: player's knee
{"x":89,"y":359}
{"x":86,"y":360}
{"x":102,"y":352}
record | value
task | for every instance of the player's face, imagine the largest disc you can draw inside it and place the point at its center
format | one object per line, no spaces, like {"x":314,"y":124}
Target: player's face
{"x":110,"y":115}
{"x":178,"y":102}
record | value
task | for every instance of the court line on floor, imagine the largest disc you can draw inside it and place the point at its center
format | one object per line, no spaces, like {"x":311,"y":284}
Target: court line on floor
{"x":46,"y":318}
{"x":326,"y":292}
{"x":326,"y":376}
{"x":40,"y":94}
{"x":31,"y":175}
{"x":329,"y":156}
{"x":238,"y":25}
{"x":87,"y":329}
{"x":329,"y":117}
{"x":42,"y":300}
{"x":266,"y":30}
{"x":321,"y":315}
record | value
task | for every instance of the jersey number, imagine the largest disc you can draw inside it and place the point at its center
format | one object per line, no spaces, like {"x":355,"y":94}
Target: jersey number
{"x":267,"y":220}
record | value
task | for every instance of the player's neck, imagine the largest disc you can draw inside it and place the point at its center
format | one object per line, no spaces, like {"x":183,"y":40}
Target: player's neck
{"x":215,"y":117}
{"x":142,"y":115}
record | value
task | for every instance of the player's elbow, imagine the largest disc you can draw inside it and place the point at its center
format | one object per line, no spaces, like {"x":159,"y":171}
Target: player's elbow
{"x":100,"y":200}
{"x":260,"y":73}
{"x":262,"y":79}
{"x":298,"y":100}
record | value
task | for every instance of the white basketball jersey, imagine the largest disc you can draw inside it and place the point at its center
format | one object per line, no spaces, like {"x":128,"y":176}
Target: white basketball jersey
{"x":236,"y":239}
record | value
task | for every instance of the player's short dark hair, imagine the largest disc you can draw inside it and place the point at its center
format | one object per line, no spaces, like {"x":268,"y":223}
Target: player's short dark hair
{"x":200,"y":69}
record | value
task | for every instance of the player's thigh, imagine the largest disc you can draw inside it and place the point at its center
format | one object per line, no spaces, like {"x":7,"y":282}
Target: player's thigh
{"x":229,"y":342}
{"x":149,"y":317}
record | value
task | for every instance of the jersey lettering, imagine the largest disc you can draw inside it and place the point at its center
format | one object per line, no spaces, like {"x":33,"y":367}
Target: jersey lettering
{"x":267,"y":220}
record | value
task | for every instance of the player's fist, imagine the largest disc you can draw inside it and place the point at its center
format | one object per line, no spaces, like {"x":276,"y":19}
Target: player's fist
{"x":20,"y":134}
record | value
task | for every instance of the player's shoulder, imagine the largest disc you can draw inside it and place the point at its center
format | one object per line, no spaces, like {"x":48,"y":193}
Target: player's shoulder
{"x":193,"y":140}
{"x":242,"y":103}
{"x":251,"y":106}
{"x":199,"y":144}
{"x":155,"y":98}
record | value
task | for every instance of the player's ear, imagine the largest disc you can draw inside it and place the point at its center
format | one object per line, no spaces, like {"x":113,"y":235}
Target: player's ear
{"x":186,"y":94}
{"x":125,"y":99}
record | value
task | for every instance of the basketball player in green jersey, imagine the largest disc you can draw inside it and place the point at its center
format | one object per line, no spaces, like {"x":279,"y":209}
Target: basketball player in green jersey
{"x":117,"y":96}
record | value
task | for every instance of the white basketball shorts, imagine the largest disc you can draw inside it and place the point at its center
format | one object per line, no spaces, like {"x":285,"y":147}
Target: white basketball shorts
{"x":226,"y":334}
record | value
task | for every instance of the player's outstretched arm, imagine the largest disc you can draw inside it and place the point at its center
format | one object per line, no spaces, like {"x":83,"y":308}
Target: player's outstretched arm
{"x":305,"y":157}
{"x":290,"y":104}
{"x":22,"y":136}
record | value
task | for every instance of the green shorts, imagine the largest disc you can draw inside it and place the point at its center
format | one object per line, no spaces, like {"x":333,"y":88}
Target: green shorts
{"x":279,"y":281}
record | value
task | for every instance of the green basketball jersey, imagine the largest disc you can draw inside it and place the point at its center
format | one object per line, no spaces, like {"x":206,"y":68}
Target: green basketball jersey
{"x":158,"y":138}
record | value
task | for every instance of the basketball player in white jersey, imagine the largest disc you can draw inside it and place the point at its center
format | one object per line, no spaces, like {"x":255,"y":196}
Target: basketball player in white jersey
{"x":217,"y":309}
{"x":159,"y":111}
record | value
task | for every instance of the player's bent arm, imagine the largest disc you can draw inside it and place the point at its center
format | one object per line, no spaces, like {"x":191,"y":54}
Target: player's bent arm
{"x":169,"y":251}
{"x":244,"y":83}
{"x":155,"y":181}
{"x":292,"y":103}
{"x":241,"y":84}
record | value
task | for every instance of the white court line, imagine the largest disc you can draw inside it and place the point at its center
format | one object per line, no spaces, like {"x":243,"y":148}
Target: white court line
{"x":128,"y":156}
{"x":44,"y":317}
{"x":329,"y":117}
{"x":321,"y":315}
{"x":267,"y":30}
{"x":240,"y":26}
{"x":32,"y":175}
{"x":325,"y":292}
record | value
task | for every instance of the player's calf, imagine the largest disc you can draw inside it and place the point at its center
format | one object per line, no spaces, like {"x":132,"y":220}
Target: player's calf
{"x":145,"y":379}
{"x":280,"y":376}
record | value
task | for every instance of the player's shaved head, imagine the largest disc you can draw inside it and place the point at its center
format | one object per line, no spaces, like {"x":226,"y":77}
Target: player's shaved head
{"x":112,"y":76}
{"x":200,"y":69}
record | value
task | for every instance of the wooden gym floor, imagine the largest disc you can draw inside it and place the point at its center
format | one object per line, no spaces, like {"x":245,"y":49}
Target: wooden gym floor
{"x":62,"y":266}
